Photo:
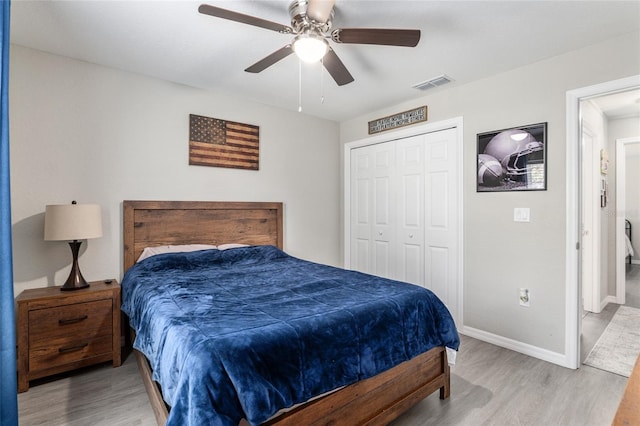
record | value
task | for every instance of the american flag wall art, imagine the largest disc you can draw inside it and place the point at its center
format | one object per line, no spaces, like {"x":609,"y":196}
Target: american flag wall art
{"x":220,"y":143}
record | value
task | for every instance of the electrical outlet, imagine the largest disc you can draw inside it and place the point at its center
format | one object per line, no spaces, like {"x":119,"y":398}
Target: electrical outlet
{"x":525,"y":297}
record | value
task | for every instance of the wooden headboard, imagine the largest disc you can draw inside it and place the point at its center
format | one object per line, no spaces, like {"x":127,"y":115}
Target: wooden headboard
{"x":158,"y":223}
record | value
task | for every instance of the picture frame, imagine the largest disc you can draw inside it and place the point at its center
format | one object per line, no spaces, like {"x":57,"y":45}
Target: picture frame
{"x":512,"y":159}
{"x":604,"y":161}
{"x":604,"y":188}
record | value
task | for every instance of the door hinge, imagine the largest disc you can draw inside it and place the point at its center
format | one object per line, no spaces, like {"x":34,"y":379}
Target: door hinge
{"x":578,"y":245}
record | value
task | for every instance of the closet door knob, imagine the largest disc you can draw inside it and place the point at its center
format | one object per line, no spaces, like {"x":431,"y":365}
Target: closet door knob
{"x":410,"y":235}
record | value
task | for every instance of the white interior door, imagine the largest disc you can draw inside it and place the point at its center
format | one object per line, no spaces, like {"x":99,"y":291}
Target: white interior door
{"x":442,"y":215}
{"x":587,"y":245}
{"x":361,"y":209}
{"x":592,"y":135}
{"x":405,"y":214}
{"x":372,"y":216}
{"x":384,"y":215}
{"x":411,"y":193}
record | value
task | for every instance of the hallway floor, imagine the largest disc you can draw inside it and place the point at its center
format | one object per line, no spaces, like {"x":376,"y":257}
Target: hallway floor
{"x":633,"y":286}
{"x":593,"y":325}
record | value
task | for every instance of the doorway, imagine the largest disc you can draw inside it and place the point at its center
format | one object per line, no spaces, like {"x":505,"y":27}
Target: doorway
{"x":627,"y":202}
{"x":604,"y":279}
{"x":575,"y":272}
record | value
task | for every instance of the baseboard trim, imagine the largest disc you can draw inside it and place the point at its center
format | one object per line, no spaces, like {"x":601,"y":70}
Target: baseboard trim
{"x":517,"y":346}
{"x":607,"y":300}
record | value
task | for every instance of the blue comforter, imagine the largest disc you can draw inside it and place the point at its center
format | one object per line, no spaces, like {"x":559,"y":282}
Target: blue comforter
{"x":243,"y":333}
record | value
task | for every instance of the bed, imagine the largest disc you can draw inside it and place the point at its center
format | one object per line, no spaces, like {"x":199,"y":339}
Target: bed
{"x":373,"y":390}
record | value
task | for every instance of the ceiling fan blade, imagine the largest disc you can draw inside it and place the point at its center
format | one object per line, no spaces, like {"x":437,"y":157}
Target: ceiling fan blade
{"x":336,"y":68}
{"x":266,"y":62}
{"x":320,"y":10}
{"x":243,"y":19}
{"x":388,"y":37}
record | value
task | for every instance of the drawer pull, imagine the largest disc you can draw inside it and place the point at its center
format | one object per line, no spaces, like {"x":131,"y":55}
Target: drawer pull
{"x":72,"y":320}
{"x":72,"y":348}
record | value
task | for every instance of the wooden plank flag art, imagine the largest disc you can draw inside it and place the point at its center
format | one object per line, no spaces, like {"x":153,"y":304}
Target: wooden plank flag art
{"x":220,"y":143}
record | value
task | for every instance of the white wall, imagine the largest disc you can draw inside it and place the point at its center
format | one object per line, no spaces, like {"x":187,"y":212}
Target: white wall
{"x":98,"y":135}
{"x":501,"y":256}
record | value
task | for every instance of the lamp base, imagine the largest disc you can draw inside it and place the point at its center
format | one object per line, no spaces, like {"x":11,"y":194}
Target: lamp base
{"x":73,"y":286}
{"x":75,"y":281}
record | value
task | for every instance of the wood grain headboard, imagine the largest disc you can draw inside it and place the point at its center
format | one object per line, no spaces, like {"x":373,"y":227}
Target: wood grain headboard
{"x":158,"y":223}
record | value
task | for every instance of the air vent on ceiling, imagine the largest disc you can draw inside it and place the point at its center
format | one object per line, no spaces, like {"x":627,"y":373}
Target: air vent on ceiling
{"x":433,"y":82}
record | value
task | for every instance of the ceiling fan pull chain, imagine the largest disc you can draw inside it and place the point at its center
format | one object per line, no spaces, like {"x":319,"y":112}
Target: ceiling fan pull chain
{"x":299,"y":85}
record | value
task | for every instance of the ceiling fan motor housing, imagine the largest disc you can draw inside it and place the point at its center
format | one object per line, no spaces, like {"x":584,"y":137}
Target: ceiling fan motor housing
{"x":301,"y":22}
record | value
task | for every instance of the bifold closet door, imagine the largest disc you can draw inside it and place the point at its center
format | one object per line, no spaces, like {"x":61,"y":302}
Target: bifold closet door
{"x":404,"y":212}
{"x":442,"y":216}
{"x":372,"y":213}
{"x":410,"y":191}
{"x":387,"y":198}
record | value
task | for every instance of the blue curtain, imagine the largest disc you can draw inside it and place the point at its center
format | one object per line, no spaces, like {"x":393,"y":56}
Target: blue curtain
{"x":8,"y":381}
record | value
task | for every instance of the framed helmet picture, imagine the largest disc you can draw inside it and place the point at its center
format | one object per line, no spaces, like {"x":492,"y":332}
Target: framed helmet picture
{"x":513,"y":159}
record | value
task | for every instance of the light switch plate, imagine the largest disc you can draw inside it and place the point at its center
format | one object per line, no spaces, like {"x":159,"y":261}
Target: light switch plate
{"x":521,"y":214}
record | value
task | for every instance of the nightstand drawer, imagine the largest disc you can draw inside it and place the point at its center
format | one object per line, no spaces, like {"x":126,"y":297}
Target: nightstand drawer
{"x":77,"y":320}
{"x":60,"y":331}
{"x":65,"y":350}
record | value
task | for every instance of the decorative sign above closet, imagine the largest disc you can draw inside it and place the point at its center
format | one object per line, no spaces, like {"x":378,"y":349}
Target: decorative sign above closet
{"x":402,"y":119}
{"x":220,"y":143}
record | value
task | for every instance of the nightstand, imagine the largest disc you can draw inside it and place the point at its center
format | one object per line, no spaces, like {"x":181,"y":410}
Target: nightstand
{"x":59,"y":331}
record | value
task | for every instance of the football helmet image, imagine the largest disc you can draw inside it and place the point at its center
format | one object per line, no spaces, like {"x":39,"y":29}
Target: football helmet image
{"x":490,"y":172}
{"x":515,"y":149}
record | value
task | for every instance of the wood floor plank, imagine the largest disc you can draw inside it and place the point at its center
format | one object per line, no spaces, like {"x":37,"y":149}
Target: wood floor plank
{"x":489,"y":386}
{"x":495,"y":386}
{"x":100,"y":396}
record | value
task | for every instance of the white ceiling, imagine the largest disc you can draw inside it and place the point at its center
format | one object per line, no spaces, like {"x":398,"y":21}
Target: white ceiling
{"x":466,"y":40}
{"x":619,"y":105}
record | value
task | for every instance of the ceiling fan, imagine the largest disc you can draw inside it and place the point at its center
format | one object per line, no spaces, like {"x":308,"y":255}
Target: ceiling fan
{"x":311,"y":23}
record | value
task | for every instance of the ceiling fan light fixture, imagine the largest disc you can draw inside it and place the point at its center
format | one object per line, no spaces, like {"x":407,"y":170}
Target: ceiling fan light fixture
{"x":310,"y":47}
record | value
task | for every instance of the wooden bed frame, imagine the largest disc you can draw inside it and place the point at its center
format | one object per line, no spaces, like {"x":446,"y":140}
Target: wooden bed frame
{"x":374,"y":401}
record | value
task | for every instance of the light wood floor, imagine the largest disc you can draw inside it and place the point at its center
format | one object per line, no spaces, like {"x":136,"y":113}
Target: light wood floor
{"x":101,"y":396}
{"x":496,"y":386}
{"x":593,"y":325}
{"x":489,"y":386}
{"x":632,"y":296}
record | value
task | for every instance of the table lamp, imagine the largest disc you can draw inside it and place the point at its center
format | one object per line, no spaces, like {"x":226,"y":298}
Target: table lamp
{"x":73,"y":222}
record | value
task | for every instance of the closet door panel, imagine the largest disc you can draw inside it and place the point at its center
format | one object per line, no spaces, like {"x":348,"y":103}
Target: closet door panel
{"x":441,"y":210}
{"x":438,"y":205}
{"x":410,"y":224}
{"x":384,"y":232}
{"x":361,"y":214}
{"x":438,"y":271}
{"x":412,"y":264}
{"x":361,"y":255}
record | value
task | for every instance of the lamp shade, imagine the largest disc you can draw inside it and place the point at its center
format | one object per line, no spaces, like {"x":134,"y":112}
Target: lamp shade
{"x":68,"y":222}
{"x":310,"y":47}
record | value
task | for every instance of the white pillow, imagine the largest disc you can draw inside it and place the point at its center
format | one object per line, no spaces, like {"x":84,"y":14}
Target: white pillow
{"x":230,"y":246}
{"x":152,"y":251}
